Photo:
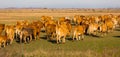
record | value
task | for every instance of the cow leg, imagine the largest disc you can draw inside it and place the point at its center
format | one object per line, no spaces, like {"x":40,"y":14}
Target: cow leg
{"x":47,"y":36}
{"x":105,"y":33}
{"x":79,"y":37}
{"x":53,"y":35}
{"x":73,"y":37}
{"x":24,"y":39}
{"x":38,"y":35}
{"x":34,"y":34}
{"x":63,"y":39}
{"x":30,"y":37}
{"x":76,"y":36}
{"x":57,"y":39}
{"x":20,"y":38}
{"x":0,"y":45}
{"x":82,"y":37}
{"x":11,"y":40}
{"x":12,"y":37}
{"x":101,"y":34}
{"x":3,"y":44}
{"x":16,"y":35}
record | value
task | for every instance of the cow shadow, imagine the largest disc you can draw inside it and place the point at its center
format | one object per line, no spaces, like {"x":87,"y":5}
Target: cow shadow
{"x":117,"y":29}
{"x":43,"y":31}
{"x":116,"y":36}
{"x":43,"y":37}
{"x":70,"y":39}
{"x":52,"y":41}
{"x":73,"y":24}
{"x":96,"y":36}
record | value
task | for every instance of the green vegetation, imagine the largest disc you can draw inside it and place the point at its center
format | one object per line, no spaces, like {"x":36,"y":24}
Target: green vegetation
{"x":108,"y":46}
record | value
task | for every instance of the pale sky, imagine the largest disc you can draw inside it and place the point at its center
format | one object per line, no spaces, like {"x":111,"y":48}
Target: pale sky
{"x":61,"y":3}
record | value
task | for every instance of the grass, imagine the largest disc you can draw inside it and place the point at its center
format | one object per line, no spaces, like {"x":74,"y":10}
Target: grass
{"x":108,"y":46}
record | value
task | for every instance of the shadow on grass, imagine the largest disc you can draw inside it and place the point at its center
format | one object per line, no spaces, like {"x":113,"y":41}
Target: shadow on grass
{"x":52,"y":41}
{"x":43,"y":37}
{"x":96,"y":36}
{"x":70,"y":39}
{"x":116,"y":36}
{"x":43,"y":31}
{"x":117,"y":29}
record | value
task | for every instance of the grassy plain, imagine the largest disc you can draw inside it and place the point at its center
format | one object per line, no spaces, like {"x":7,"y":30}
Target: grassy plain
{"x":108,"y":46}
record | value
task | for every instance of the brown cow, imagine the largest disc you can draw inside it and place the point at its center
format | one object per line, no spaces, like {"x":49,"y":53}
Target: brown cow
{"x":37,"y":27}
{"x":25,"y":33}
{"x":50,"y":30}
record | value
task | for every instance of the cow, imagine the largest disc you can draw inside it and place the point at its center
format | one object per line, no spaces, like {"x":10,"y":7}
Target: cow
{"x":77,"y":19}
{"x":61,"y":32}
{"x":18,"y":27}
{"x":2,"y":28}
{"x":50,"y":30}
{"x":115,"y":22}
{"x":3,"y":40}
{"x":25,"y":33}
{"x":102,"y":29}
{"x":92,"y":29}
{"x":110,"y":25}
{"x":37,"y":26}
{"x":46,"y":18}
{"x":9,"y":30}
{"x":78,"y":32}
{"x":68,"y":24}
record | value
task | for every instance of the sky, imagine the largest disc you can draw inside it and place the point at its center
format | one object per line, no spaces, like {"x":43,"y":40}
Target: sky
{"x":60,"y":3}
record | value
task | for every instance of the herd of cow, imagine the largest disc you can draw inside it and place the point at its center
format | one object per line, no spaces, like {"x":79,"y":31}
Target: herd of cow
{"x":59,"y":29}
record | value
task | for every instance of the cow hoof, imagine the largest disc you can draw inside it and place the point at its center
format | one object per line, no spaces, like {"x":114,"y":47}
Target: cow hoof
{"x":63,"y":43}
{"x":82,"y":39}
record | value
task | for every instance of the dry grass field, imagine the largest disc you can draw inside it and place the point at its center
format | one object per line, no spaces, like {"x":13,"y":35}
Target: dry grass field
{"x":108,"y":46}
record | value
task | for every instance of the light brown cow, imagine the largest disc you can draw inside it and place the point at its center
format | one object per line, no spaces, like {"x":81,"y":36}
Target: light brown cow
{"x":77,"y":19}
{"x":110,"y":25}
{"x":46,"y":18}
{"x":92,"y":29}
{"x":78,"y":32}
{"x":61,"y":32}
{"x":3,"y":40}
{"x":2,"y":28}
{"x":9,"y":30}
{"x":103,"y":29}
